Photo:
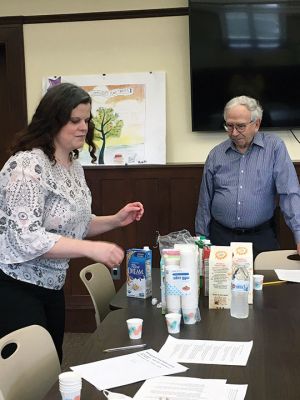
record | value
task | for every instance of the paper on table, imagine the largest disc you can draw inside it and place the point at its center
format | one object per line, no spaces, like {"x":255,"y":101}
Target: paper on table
{"x":179,"y":388}
{"x":290,"y":275}
{"x":236,"y":392}
{"x":127,"y":369}
{"x":206,"y":351}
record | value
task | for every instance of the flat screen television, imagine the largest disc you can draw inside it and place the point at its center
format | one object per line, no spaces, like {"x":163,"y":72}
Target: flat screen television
{"x":245,"y":48}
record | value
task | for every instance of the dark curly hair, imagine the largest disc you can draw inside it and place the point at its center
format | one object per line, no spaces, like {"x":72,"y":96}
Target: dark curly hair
{"x":52,"y":113}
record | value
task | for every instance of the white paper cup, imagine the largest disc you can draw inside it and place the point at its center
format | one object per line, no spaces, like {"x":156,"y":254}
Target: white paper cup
{"x":70,"y":395}
{"x":70,"y":385}
{"x":258,"y":282}
{"x":173,"y":322}
{"x":175,"y":309}
{"x":189,"y":315}
{"x":69,"y":378}
{"x":135,"y":327}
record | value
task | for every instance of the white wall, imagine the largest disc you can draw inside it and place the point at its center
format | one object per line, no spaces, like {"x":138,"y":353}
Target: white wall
{"x":134,"y":45}
{"x":44,"y":7}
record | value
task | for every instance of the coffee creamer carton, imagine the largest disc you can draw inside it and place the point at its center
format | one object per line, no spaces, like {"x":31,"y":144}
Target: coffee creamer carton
{"x":138,"y":270}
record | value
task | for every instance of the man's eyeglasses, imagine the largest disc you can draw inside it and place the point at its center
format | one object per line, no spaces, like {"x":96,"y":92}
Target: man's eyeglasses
{"x":239,"y":127}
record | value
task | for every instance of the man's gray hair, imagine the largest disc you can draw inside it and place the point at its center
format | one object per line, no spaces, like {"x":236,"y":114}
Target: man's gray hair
{"x":251,"y":104}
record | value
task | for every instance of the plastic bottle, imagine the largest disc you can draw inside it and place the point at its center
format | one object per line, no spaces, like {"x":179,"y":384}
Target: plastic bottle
{"x":199,"y":242}
{"x":239,"y":292}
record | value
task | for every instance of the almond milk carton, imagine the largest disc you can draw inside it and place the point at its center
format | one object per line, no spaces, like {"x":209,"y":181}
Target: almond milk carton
{"x":242,"y":254}
{"x":220,"y":272}
{"x":138,"y":271}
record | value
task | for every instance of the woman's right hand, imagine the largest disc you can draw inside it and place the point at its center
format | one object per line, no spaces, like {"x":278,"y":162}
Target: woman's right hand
{"x":107,"y":253}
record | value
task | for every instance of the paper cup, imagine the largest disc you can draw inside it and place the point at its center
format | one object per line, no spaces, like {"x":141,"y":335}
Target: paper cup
{"x":135,"y":326}
{"x":189,"y":315}
{"x":70,"y":395}
{"x":172,"y":293}
{"x":258,"y":282}
{"x":70,"y":385}
{"x":173,"y":309}
{"x":69,"y":379}
{"x":173,"y":322}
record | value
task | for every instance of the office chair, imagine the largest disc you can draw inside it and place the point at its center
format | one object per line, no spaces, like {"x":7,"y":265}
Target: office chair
{"x":100,"y":285}
{"x":32,"y":369}
{"x":284,"y":259}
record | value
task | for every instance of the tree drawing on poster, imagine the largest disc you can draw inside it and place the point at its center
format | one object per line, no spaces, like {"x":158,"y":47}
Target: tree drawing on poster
{"x":123,"y":107}
{"x":107,"y":125}
{"x":119,"y":120}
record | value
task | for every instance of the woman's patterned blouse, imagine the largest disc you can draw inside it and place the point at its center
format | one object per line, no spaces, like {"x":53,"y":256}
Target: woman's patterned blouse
{"x":40,"y":202}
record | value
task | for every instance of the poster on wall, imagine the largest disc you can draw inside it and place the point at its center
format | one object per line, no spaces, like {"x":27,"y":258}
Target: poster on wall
{"x":129,"y":113}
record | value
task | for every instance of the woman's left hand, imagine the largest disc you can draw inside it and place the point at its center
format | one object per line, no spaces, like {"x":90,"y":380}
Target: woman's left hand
{"x":131,"y":212}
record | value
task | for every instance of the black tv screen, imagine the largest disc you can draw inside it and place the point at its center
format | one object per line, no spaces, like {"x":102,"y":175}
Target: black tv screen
{"x":245,"y":48}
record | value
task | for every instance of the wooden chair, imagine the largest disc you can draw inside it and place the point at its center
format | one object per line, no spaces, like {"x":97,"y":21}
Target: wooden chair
{"x":32,"y":369}
{"x":284,"y":259}
{"x":100,"y":285}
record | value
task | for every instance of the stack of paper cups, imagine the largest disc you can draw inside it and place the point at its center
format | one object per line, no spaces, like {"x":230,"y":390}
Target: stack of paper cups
{"x":70,"y":386}
{"x":172,"y":293}
{"x":189,"y":303}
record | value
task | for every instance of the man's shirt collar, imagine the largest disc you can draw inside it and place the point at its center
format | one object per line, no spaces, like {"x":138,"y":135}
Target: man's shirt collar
{"x":257,"y":140}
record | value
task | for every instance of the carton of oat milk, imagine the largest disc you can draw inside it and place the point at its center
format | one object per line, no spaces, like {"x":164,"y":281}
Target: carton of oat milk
{"x":138,"y":271}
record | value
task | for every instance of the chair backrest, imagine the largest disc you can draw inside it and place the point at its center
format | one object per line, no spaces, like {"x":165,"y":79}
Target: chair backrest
{"x":100,"y":285}
{"x":32,"y":369}
{"x":276,"y":259}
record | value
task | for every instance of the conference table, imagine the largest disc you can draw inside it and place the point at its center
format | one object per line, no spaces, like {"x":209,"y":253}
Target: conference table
{"x":272,"y":371}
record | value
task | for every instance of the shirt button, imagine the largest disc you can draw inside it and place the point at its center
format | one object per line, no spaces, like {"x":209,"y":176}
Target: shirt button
{"x":241,"y":187}
{"x":239,"y":202}
{"x":242,"y":171}
{"x":239,"y":218}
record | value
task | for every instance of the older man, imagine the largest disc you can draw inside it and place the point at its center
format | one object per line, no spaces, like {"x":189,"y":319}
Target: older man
{"x":241,"y":179}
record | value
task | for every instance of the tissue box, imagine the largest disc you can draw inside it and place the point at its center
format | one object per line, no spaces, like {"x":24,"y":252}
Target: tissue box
{"x":138,"y":271}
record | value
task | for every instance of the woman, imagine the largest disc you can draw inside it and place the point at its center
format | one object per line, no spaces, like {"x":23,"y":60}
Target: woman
{"x":45,"y":213}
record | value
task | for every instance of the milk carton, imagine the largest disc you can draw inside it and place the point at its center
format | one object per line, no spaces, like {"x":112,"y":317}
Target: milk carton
{"x":138,"y":270}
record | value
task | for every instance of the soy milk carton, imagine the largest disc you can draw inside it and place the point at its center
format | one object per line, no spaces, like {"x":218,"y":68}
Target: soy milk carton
{"x":138,"y":270}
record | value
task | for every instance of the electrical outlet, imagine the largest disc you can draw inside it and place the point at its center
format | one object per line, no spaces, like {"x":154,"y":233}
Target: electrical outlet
{"x":116,"y":273}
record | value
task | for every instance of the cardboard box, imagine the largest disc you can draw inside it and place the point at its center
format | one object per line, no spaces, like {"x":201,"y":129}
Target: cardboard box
{"x":220,"y":273}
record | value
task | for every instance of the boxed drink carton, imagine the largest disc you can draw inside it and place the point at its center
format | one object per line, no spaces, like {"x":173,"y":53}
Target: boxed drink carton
{"x":138,"y":270}
{"x":220,"y":272}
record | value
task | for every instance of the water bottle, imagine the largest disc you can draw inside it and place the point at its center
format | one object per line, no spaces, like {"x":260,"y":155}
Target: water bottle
{"x":239,"y":292}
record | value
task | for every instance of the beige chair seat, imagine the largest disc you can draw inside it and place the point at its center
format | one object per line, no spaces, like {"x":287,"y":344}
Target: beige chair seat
{"x":276,"y":259}
{"x":99,"y":283}
{"x":32,"y":369}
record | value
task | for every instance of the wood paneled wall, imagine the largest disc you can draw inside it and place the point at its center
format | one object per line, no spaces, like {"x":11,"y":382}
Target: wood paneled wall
{"x":169,"y":194}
